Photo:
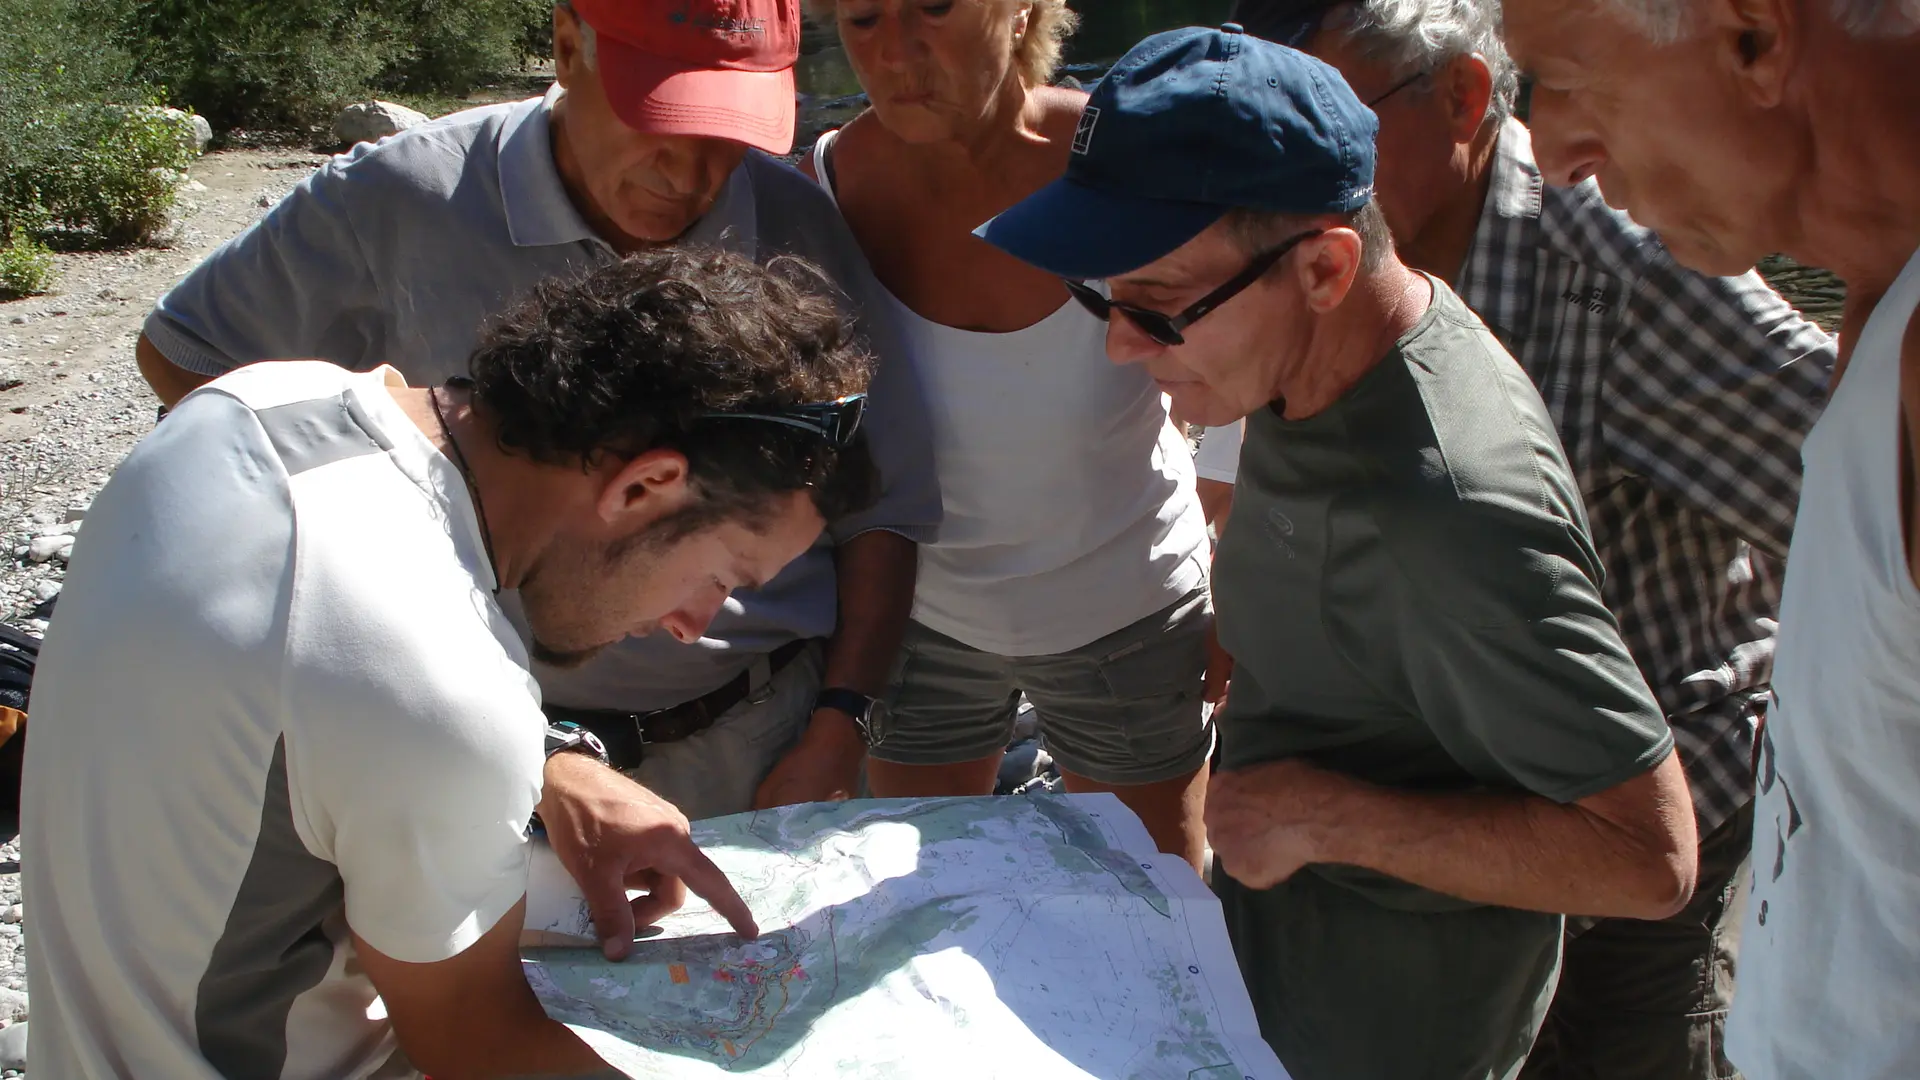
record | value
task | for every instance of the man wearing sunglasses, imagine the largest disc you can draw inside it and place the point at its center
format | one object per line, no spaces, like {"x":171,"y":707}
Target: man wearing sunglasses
{"x":1682,"y":401}
{"x":658,"y":131}
{"x":1436,"y":740}
{"x":271,"y":791}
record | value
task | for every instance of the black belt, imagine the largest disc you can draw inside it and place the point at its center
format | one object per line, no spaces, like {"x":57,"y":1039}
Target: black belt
{"x":628,"y":734}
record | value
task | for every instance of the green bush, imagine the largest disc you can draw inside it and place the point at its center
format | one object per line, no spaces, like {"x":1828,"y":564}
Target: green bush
{"x":460,"y":44}
{"x":86,"y":160}
{"x":97,"y":175}
{"x":249,"y":63}
{"x":26,"y":268}
{"x":290,"y":64}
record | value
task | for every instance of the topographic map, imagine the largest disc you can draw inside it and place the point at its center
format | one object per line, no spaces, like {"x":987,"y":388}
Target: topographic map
{"x":1029,"y":936}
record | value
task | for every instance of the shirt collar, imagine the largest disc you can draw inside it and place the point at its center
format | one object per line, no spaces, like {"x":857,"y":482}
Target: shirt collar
{"x":539,"y":212}
{"x":1498,"y":279}
{"x":1514,"y":188}
{"x":536,"y":203}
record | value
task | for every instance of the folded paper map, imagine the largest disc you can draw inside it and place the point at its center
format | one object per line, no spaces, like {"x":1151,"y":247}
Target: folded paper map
{"x":1028,"y":936}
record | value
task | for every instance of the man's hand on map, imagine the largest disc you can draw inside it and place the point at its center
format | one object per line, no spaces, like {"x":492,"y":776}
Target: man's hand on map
{"x":1265,"y":822}
{"x":823,"y":767}
{"x":613,"y":835}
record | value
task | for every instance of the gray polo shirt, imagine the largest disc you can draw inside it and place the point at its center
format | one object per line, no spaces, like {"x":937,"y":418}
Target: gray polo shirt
{"x":397,"y":253}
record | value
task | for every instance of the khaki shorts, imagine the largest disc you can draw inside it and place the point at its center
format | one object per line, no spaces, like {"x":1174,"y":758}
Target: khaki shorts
{"x":1125,"y":710}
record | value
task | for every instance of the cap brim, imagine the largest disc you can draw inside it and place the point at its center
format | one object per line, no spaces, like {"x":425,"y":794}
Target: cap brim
{"x":1084,"y":233}
{"x":664,"y":97}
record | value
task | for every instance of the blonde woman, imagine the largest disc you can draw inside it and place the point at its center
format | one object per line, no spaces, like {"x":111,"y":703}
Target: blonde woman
{"x":1071,"y":564}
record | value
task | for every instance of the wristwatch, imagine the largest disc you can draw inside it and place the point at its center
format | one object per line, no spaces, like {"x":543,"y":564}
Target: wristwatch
{"x":869,"y":714}
{"x":565,"y":735}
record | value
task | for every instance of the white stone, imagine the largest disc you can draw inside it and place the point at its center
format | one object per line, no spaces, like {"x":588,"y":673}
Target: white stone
{"x":13,"y":1006}
{"x":202,"y":130}
{"x":44,"y":548}
{"x":13,"y":1047}
{"x":58,"y":528}
{"x":371,"y":121}
{"x":195,"y":132}
{"x":15,"y":914}
{"x":44,"y":591}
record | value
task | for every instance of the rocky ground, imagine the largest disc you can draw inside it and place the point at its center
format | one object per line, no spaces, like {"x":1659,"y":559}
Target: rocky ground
{"x":72,"y":403}
{"x":71,"y":400}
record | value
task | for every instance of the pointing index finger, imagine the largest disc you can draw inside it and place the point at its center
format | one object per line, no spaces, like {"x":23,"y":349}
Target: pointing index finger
{"x":710,"y":883}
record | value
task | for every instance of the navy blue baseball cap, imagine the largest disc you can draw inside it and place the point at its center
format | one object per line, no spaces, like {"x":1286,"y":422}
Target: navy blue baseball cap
{"x":1187,"y":126}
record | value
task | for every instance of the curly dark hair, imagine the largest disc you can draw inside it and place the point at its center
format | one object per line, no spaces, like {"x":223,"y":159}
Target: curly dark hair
{"x":631,"y":356}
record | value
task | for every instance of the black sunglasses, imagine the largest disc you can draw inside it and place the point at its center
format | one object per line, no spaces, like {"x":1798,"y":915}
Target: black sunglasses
{"x":1166,"y":329}
{"x":835,"y":421}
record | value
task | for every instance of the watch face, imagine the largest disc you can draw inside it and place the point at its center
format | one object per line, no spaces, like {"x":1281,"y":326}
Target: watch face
{"x":879,"y":722}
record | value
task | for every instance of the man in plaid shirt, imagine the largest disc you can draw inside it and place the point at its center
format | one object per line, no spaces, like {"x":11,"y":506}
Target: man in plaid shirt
{"x":1682,"y":401}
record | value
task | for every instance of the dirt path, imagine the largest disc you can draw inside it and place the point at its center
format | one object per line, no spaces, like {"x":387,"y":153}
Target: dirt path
{"x":72,"y":403}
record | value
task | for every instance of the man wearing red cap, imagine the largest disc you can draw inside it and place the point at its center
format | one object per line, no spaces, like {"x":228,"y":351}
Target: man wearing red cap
{"x":657,"y":131}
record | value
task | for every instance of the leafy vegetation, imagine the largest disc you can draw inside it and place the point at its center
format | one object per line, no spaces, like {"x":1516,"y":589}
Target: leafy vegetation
{"x":290,"y":64}
{"x":90,"y":159}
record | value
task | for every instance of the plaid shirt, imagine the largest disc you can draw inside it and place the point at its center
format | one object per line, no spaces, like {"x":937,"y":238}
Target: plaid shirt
{"x":1682,"y":401}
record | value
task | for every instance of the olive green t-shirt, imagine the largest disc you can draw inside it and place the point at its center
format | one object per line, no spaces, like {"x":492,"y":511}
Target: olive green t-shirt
{"x":1410,"y":597}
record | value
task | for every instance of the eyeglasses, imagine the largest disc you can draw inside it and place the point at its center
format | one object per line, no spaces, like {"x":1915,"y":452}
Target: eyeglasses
{"x":1166,"y":329}
{"x":835,"y":421}
{"x":1397,"y":87}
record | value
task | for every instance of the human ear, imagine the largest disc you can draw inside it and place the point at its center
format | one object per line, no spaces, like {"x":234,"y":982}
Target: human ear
{"x":653,"y":484}
{"x":1467,"y":82}
{"x":1756,"y":42}
{"x":568,"y":61}
{"x":1328,"y":265}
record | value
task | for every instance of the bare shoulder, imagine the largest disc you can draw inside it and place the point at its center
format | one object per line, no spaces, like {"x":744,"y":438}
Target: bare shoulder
{"x":861,"y":143}
{"x":1060,"y":110}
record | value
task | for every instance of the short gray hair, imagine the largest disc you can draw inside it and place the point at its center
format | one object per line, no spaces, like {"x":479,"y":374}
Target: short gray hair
{"x":1411,"y":37}
{"x":1257,"y":232}
{"x":1667,"y":21}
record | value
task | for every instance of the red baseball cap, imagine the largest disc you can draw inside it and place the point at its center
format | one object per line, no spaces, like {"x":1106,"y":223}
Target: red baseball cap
{"x":717,"y":68}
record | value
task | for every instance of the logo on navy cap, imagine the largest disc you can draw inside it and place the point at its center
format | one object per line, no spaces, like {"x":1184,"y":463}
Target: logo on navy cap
{"x":1083,"y":135}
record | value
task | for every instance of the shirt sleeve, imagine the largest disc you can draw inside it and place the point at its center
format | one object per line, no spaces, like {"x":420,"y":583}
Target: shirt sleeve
{"x":1516,"y":664}
{"x":1219,"y":455}
{"x":295,"y":284}
{"x":414,"y":752}
{"x":1712,"y":386}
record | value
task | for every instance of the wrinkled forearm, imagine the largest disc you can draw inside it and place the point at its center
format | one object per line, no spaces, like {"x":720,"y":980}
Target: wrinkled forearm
{"x":1519,"y":850}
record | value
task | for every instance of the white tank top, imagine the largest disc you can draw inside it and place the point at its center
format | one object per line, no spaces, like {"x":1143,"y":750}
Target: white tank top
{"x":1069,"y":504}
{"x":1830,"y":958}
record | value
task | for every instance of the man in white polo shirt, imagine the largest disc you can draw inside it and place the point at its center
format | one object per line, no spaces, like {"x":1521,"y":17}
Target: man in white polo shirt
{"x":657,"y":131}
{"x":286,"y":744}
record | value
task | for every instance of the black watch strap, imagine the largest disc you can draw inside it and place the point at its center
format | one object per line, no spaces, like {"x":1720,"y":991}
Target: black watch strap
{"x":854,"y":704}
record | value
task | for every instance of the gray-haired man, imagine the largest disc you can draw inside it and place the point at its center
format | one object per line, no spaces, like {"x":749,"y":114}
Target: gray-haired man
{"x":1682,"y":401}
{"x":1736,"y":129}
{"x":1436,"y":738}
